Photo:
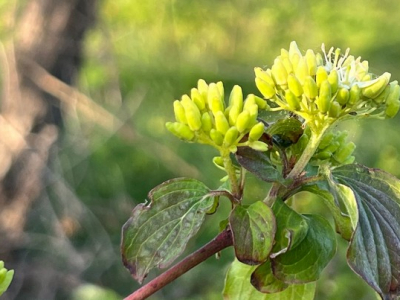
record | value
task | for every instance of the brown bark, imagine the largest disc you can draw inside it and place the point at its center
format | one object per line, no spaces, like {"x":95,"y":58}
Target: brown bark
{"x":49,"y":33}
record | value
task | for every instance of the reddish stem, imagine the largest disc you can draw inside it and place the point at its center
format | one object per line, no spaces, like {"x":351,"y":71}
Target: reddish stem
{"x":220,"y":242}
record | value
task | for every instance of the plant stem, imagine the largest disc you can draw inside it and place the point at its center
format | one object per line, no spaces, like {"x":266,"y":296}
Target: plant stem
{"x":220,"y":242}
{"x":230,"y":170}
{"x":307,"y":154}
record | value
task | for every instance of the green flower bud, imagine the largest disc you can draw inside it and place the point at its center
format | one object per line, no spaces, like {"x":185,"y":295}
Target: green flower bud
{"x":332,"y":147}
{"x":3,"y":273}
{"x":256,"y":131}
{"x":302,"y":70}
{"x":392,"y":101}
{"x":216,"y":137}
{"x":279,"y":73}
{"x":292,"y":100}
{"x":354,"y":96}
{"x":218,"y":162}
{"x":342,"y":96}
{"x":284,"y":53}
{"x":267,"y":90}
{"x":215,"y":102}
{"x":377,"y":87}
{"x":206,"y":122}
{"x":294,"y":51}
{"x":326,"y":140}
{"x":193,"y":116}
{"x":197,"y":99}
{"x":321,"y":75}
{"x":324,"y":155}
{"x":221,"y":123}
{"x":311,"y":62}
{"x":287,"y":64}
{"x":263,"y":75}
{"x":258,"y":146}
{"x":383,"y":96}
{"x":367,"y":77}
{"x":230,"y":136}
{"x":202,"y":87}
{"x":344,"y":152}
{"x":233,"y":114}
{"x":324,"y":99}
{"x":310,"y":88}
{"x":261,"y":103}
{"x":253,"y":112}
{"x":179,"y":112}
{"x":294,"y":85}
{"x":236,"y":97}
{"x":333,"y":79}
{"x":319,"y":59}
{"x":243,"y":121}
{"x":220,"y":86}
{"x":182,"y":131}
{"x":335,"y":109}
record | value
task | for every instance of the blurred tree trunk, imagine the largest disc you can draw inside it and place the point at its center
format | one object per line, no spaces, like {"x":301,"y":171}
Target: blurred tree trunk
{"x":49,"y":33}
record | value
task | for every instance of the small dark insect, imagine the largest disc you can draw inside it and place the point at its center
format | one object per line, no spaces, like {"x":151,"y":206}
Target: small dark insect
{"x":353,"y":113}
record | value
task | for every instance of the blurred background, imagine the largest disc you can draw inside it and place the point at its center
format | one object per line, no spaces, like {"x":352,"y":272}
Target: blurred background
{"x":86,"y":88}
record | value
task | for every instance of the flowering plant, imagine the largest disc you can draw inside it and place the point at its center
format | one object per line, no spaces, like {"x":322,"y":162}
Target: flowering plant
{"x":280,"y":253}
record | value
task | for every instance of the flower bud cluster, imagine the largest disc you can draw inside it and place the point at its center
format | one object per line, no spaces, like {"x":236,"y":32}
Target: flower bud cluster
{"x":204,"y":118}
{"x":324,"y":87}
{"x":333,"y":148}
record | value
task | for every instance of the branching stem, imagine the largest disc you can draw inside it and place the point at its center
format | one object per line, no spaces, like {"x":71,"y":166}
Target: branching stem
{"x":220,"y":242}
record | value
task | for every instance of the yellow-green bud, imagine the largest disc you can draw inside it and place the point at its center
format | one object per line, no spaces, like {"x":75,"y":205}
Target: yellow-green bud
{"x":392,"y":101}
{"x":261,"y":103}
{"x":382,"y":96}
{"x":335,"y":109}
{"x":253,"y":113}
{"x":342,"y":96}
{"x":193,"y":116}
{"x":287,"y":64}
{"x":367,"y":77}
{"x":332,"y":147}
{"x":326,"y":140}
{"x":267,"y":90}
{"x":292,"y":100}
{"x":284,"y":53}
{"x":263,"y":75}
{"x":220,"y":86}
{"x":354,"y":96}
{"x":219,"y":162}
{"x":377,"y":87}
{"x":206,"y":122}
{"x":294,"y":85}
{"x":233,"y":114}
{"x":180,"y":130}
{"x":333,"y":79}
{"x":256,"y":131}
{"x":230,"y":136}
{"x":311,"y":62}
{"x":217,"y":137}
{"x":179,"y":112}
{"x":221,"y":123}
{"x":302,"y":70}
{"x":321,"y":75}
{"x":243,"y":121}
{"x":3,"y":273}
{"x":323,"y":155}
{"x":279,"y":73}
{"x":319,"y":59}
{"x":258,"y":146}
{"x":324,"y":99}
{"x":197,"y":98}
{"x":236,"y":97}
{"x":202,"y":87}
{"x":294,"y":51}
{"x":344,"y":152}
{"x":215,"y":102}
{"x":310,"y":88}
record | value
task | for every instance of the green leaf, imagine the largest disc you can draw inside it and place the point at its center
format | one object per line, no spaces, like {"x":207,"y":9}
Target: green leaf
{"x":374,"y":251}
{"x":238,"y":287}
{"x":264,"y":280}
{"x":305,"y":262}
{"x":259,"y":164}
{"x":157,"y":233}
{"x":291,"y":228}
{"x":346,"y":218}
{"x":253,"y":231}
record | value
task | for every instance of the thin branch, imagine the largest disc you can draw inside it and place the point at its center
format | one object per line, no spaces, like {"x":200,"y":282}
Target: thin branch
{"x":220,"y":242}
